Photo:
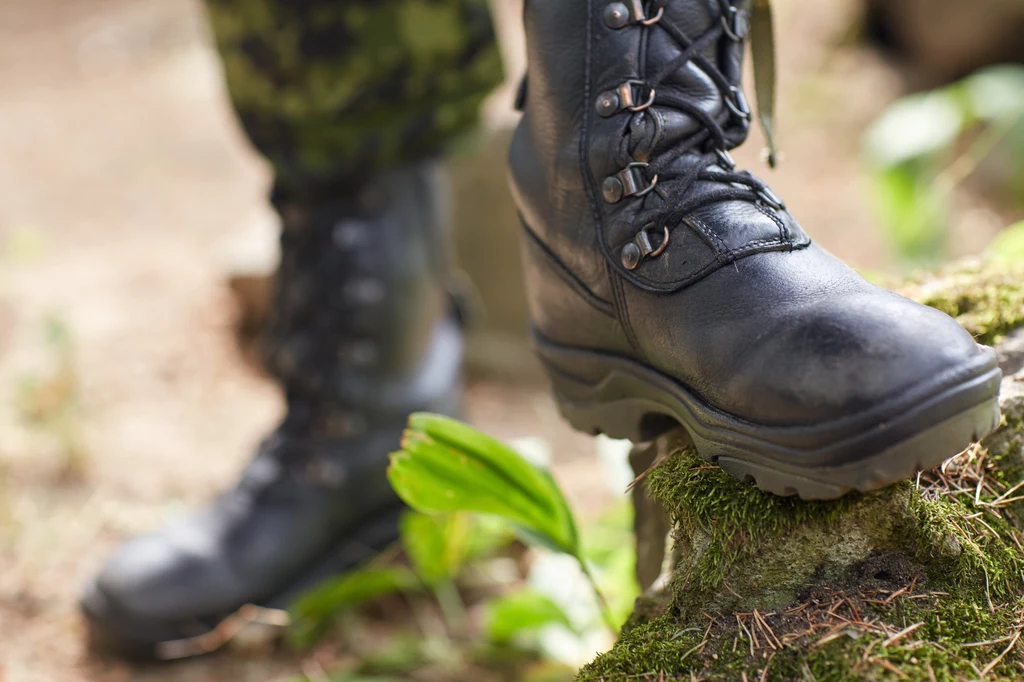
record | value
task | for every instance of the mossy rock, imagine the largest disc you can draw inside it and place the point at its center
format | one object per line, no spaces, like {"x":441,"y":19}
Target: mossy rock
{"x":923,"y":581}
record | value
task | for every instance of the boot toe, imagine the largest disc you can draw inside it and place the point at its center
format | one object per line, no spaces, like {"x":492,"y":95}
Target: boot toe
{"x":159,"y":576}
{"x":846,"y":355}
{"x":161,"y":587}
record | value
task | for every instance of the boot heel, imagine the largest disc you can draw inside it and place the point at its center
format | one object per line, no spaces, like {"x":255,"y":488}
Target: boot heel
{"x":599,"y":405}
{"x":623,"y":419}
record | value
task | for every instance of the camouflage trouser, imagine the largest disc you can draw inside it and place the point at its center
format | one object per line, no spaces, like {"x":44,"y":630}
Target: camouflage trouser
{"x":333,"y":90}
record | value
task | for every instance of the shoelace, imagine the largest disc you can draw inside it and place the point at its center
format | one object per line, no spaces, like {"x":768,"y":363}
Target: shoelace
{"x":713,"y":138}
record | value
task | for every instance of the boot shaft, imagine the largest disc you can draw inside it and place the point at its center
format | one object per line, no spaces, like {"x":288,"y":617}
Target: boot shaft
{"x":592,"y":63}
{"x":361,"y":300}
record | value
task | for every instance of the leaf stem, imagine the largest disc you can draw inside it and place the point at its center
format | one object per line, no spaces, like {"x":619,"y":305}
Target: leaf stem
{"x":606,"y":609}
{"x":452,"y":607}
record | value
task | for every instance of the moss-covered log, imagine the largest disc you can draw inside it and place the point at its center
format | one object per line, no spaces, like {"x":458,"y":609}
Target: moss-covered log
{"x":922,"y":581}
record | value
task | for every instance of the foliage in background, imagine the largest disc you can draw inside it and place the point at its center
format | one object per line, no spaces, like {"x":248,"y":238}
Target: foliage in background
{"x":1008,"y":245}
{"x":926,"y":144}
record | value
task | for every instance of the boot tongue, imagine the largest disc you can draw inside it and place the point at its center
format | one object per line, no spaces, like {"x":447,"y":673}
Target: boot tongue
{"x":665,"y":127}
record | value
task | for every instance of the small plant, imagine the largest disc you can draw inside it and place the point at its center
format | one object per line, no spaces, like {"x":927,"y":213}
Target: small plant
{"x":471,"y":496}
{"x":447,"y":467}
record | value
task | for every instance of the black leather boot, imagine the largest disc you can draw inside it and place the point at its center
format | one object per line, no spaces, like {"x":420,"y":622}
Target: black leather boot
{"x":363,"y":335}
{"x":666,"y":286}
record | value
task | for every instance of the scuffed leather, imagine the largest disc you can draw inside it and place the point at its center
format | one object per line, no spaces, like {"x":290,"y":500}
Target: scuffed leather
{"x":793,"y":338}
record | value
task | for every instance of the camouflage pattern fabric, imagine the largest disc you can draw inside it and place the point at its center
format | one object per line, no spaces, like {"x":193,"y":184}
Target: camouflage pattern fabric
{"x":331,"y":91}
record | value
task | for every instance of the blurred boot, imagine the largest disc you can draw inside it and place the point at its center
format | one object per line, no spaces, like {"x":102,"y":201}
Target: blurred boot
{"x":363,"y":335}
{"x":668,"y":287}
{"x":345,"y":99}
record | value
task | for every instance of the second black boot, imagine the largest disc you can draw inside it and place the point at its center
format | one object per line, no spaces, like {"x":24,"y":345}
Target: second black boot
{"x":363,"y":334}
{"x":668,"y":287}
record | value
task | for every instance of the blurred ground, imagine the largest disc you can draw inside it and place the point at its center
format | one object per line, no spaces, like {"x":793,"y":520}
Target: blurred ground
{"x":122,"y":178}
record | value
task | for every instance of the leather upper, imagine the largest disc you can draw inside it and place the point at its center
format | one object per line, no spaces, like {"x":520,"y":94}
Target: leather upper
{"x":740,"y":306}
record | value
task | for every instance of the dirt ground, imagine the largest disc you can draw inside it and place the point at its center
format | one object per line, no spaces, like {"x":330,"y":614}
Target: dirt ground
{"x":123,"y":181}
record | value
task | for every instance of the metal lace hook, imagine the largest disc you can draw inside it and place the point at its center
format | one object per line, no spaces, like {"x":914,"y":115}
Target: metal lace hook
{"x":650,"y":98}
{"x":664,"y":242}
{"x":641,"y":247}
{"x":650,"y":187}
{"x":653,"y":20}
{"x":735,"y":27}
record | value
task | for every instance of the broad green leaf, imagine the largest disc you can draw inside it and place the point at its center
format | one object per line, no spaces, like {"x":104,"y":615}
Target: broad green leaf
{"x":914,"y":127}
{"x":521,"y":612}
{"x":996,"y":92}
{"x":488,"y":535}
{"x":446,"y":466}
{"x":313,"y":611}
{"x":1009,"y":244}
{"x":437,"y":545}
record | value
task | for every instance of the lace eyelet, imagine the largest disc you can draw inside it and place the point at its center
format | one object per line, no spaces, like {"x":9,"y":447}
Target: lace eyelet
{"x":725,"y":160}
{"x":653,"y":20}
{"x":629,"y":101}
{"x":766,"y":196}
{"x":738,"y":105}
{"x":619,"y":15}
{"x":625,"y":97}
{"x":628,"y":182}
{"x":641,"y":247}
{"x":325,"y":472}
{"x":734,"y":25}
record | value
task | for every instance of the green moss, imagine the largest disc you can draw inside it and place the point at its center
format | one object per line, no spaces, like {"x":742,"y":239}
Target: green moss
{"x":934,"y":650}
{"x":945,"y":545}
{"x":733,"y":519}
{"x":968,"y":548}
{"x":743,"y":548}
{"x":986,"y":297}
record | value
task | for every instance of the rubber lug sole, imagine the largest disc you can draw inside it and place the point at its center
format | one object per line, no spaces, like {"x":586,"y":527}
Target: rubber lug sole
{"x":864,"y":452}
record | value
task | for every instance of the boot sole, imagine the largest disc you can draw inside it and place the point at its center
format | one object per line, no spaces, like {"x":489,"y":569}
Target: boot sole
{"x":602,"y":393}
{"x":112,"y":630}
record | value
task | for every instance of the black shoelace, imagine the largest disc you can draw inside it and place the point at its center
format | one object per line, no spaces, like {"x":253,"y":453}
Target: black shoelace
{"x":712,"y":140}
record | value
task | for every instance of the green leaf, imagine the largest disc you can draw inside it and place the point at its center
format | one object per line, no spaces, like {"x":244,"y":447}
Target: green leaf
{"x":488,"y":535}
{"x":913,"y":211}
{"x":1008,"y":245}
{"x":521,"y":612}
{"x":446,"y":466}
{"x":914,"y":127}
{"x":609,"y":545}
{"x":437,"y":545}
{"x":314,"y":610}
{"x":996,"y":92}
